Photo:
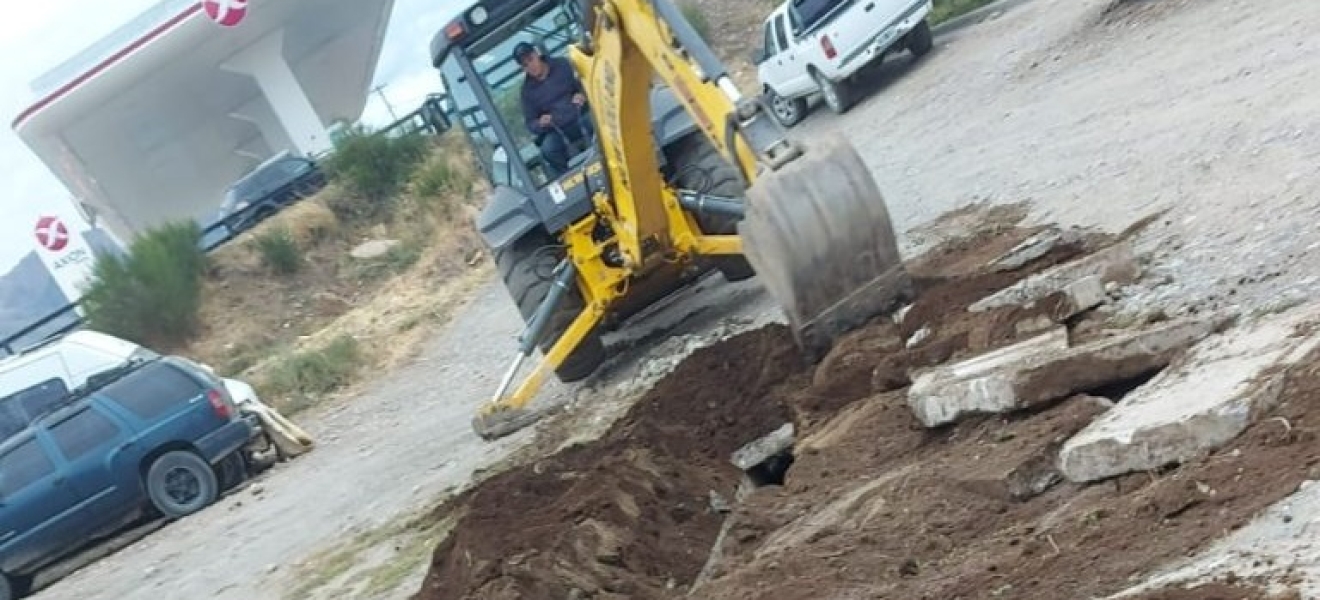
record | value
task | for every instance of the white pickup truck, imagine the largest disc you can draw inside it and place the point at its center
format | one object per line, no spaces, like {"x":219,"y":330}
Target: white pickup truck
{"x":818,"y":45}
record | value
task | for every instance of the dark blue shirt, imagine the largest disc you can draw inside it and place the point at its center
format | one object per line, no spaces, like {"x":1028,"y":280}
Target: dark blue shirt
{"x":552,"y":95}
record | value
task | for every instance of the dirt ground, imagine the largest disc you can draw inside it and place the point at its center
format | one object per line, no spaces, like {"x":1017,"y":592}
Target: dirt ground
{"x":873,"y":505}
{"x":1202,"y":112}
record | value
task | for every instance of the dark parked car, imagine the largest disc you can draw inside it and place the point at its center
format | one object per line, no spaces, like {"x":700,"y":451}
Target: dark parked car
{"x":157,"y":436}
{"x":273,"y":185}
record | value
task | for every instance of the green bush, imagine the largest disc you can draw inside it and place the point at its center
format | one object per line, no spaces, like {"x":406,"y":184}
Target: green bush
{"x":373,"y":170}
{"x":152,"y":294}
{"x":311,"y":373}
{"x":943,"y":10}
{"x":697,"y":18}
{"x":437,"y":178}
{"x":279,"y":251}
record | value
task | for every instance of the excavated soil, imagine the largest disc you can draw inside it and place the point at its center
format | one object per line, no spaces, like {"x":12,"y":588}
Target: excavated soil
{"x":1216,"y":591}
{"x":874,"y":505}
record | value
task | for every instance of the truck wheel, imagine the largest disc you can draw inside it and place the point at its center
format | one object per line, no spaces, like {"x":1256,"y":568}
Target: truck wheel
{"x":837,"y":94}
{"x":180,"y":483}
{"x":699,"y":167}
{"x":919,"y":40}
{"x":526,"y":266}
{"x":788,"y":111}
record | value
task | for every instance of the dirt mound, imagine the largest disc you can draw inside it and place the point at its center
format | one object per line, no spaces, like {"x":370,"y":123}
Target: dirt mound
{"x":1216,"y":591}
{"x":634,"y":514}
{"x":628,"y":516}
{"x":875,"y":507}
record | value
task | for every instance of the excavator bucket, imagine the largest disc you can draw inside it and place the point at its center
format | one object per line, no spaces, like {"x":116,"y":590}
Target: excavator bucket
{"x":819,"y":236}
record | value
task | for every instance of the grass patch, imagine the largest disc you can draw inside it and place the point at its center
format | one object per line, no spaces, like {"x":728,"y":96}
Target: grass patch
{"x":943,"y":10}
{"x":373,"y":562}
{"x":303,"y":377}
{"x":278,"y":250}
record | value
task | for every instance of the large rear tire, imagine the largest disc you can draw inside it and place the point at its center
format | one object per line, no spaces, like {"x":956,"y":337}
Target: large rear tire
{"x":838,"y":95}
{"x":526,"y":266}
{"x":699,"y":167}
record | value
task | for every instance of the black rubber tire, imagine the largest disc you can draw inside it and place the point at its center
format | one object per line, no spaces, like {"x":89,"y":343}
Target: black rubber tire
{"x":787,"y":111}
{"x":698,"y":166}
{"x":180,"y":483}
{"x":231,"y":471}
{"x":838,"y":95}
{"x":526,"y":273}
{"x":920,"y":40}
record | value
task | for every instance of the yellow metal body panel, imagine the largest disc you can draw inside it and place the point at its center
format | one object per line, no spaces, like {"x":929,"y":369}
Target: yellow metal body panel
{"x":632,"y":47}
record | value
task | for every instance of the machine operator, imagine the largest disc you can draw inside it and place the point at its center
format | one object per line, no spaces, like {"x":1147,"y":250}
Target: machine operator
{"x":553,"y":106}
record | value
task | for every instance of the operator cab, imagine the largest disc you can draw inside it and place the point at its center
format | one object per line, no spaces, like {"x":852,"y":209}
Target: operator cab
{"x":474,"y":54}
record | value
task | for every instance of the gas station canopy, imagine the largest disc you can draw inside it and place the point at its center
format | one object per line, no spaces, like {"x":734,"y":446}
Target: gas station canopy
{"x":155,"y":120}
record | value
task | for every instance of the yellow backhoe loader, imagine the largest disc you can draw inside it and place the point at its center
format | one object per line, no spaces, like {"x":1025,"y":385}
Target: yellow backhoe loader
{"x":674,"y":174}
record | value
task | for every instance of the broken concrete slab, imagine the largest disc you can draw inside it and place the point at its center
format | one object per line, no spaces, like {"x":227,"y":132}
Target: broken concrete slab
{"x":1278,"y":546}
{"x":1074,"y":299}
{"x":1022,"y":464}
{"x":763,"y":449}
{"x":1023,"y":376}
{"x":1033,"y":248}
{"x":1204,"y":402}
{"x":1115,"y":264}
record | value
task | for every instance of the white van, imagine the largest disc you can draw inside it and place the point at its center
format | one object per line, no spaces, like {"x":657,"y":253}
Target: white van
{"x":42,"y":375}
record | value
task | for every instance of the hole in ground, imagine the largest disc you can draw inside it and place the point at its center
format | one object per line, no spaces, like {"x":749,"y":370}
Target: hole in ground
{"x":1117,"y":390}
{"x":771,"y":471}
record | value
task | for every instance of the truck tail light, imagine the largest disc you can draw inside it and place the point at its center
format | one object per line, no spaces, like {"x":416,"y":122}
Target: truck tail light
{"x":219,"y":404}
{"x":828,"y":47}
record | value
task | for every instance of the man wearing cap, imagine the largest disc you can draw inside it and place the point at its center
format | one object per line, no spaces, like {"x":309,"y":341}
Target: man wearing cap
{"x":552,"y":105}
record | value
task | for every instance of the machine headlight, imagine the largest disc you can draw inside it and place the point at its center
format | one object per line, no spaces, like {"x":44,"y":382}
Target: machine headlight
{"x":477,"y":16}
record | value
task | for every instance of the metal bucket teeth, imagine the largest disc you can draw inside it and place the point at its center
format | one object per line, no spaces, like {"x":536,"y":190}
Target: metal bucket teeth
{"x":501,"y":422}
{"x":819,"y":236}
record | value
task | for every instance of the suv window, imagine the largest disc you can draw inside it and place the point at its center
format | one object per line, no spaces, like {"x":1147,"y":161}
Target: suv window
{"x":153,"y":390}
{"x":17,"y":410}
{"x":22,"y":466}
{"x":779,"y":31}
{"x":80,"y":434}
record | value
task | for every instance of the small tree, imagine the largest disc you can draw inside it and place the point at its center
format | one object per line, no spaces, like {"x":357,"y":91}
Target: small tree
{"x":373,"y":169}
{"x":152,"y":294}
{"x":279,"y":251}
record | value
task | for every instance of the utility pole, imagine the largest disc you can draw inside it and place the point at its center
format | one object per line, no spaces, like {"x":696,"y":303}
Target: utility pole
{"x":380,"y":92}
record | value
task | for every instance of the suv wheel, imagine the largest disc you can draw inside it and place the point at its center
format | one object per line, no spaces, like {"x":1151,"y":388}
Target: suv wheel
{"x":180,"y":483}
{"x":231,"y":471}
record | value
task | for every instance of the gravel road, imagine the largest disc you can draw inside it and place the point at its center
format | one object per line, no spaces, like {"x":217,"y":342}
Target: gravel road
{"x":1101,"y":112}
{"x":403,"y":442}
{"x":1206,"y":109}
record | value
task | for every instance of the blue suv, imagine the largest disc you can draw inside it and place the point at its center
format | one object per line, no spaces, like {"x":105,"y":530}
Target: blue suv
{"x":159,"y":434}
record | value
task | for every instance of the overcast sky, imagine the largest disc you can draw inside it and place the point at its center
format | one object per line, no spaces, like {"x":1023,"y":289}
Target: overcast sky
{"x":44,"y":33}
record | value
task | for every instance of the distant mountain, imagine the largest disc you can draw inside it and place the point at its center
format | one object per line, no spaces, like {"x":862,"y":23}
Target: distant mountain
{"x":28,"y":293}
